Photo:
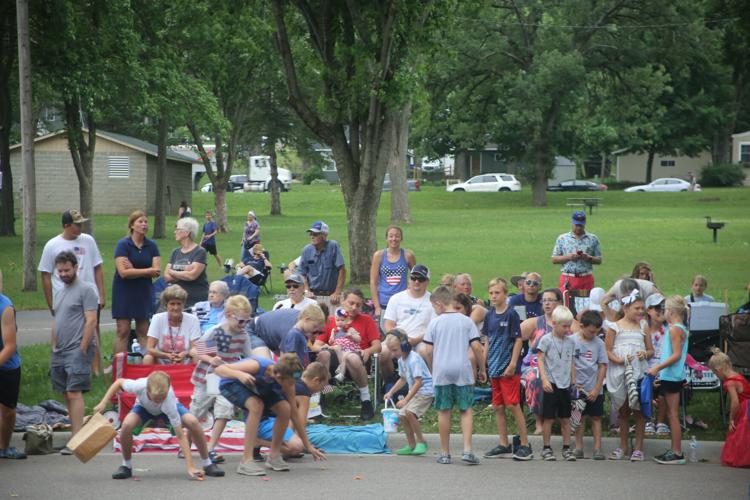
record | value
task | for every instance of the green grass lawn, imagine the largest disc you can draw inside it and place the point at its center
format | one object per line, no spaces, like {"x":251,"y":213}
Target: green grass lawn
{"x":485,"y":234}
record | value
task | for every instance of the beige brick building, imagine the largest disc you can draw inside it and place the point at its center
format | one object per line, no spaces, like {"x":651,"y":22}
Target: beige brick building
{"x":124,"y":175}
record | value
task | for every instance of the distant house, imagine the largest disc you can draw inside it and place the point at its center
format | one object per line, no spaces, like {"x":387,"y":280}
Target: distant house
{"x":741,"y":149}
{"x":124,"y":174}
{"x":632,"y":166}
{"x":490,"y":160}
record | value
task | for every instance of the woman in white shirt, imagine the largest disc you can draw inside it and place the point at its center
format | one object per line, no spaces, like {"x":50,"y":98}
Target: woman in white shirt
{"x":172,"y":332}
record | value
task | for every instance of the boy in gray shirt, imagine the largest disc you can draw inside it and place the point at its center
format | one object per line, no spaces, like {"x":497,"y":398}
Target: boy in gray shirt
{"x":557,"y":370}
{"x":73,"y":341}
{"x":448,"y":339}
{"x":591,"y":367}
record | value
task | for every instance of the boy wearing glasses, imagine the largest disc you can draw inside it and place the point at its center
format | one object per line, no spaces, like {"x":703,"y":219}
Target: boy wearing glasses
{"x":295,"y":290}
{"x":530,"y":301}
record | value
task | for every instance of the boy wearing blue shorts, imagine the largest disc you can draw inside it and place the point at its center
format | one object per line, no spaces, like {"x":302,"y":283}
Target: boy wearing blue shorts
{"x":155,"y":400}
{"x":254,"y":384}
{"x":313,"y":379}
{"x":448,"y":339}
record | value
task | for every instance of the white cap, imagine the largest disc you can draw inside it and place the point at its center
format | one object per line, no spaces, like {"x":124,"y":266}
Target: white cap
{"x":595,"y":299}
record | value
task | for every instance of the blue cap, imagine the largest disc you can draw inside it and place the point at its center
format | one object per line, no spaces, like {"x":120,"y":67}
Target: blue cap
{"x":318,"y":227}
{"x":421,"y":271}
{"x":579,"y":218}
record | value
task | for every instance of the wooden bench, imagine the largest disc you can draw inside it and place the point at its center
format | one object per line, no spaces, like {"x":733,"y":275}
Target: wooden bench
{"x":585,"y":202}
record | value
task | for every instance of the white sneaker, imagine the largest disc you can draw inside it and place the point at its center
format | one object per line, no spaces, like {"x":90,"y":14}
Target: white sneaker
{"x":249,"y":468}
{"x":662,"y":430}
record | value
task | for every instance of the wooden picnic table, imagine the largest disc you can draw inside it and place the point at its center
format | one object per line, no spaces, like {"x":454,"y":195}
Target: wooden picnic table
{"x":585,"y":202}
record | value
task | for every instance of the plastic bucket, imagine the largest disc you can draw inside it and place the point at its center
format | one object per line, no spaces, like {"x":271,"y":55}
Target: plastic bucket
{"x":390,"y":417}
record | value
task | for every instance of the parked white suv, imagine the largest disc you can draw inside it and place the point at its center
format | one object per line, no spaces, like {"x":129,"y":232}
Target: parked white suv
{"x":488,"y":183}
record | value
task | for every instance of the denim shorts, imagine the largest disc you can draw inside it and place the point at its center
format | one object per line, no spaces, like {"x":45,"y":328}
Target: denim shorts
{"x":238,"y":393}
{"x":448,"y":396}
{"x":146,"y":416}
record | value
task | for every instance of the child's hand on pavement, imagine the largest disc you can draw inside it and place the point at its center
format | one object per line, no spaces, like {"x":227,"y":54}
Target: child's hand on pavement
{"x":196,"y":473}
{"x":317,"y":454}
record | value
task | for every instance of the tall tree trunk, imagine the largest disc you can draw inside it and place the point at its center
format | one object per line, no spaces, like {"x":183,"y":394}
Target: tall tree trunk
{"x":218,"y":178}
{"x":650,"y":162}
{"x":160,"y":222}
{"x":603,"y":171}
{"x":275,"y":184}
{"x":400,"y":211}
{"x":27,"y":151}
{"x":721,"y":150}
{"x":8,"y":55}
{"x":543,"y":159}
{"x":82,"y":153}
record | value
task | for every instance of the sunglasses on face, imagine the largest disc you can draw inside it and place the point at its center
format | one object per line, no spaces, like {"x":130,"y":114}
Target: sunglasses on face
{"x":241,"y":322}
{"x":419,"y":279}
{"x":532,"y":283}
{"x":291,"y":285}
{"x":315,"y":234}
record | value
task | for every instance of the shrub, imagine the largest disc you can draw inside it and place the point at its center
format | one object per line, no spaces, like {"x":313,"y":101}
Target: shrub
{"x":313,"y":173}
{"x":722,"y":175}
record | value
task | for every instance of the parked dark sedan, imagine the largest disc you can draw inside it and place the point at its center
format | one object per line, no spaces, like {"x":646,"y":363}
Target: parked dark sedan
{"x":577,"y":185}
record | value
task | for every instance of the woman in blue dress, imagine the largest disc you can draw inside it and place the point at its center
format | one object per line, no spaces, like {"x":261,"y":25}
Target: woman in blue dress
{"x":137,"y":262}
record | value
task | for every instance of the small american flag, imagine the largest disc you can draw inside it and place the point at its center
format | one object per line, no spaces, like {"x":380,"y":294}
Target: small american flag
{"x":205,"y":347}
{"x":393,"y":275}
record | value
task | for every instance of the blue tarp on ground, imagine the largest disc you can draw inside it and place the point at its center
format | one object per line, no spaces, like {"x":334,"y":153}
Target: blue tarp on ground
{"x":349,"y":439}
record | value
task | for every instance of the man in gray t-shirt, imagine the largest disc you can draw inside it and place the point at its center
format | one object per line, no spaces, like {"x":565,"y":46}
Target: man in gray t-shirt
{"x":73,"y":340}
{"x":273,"y":326}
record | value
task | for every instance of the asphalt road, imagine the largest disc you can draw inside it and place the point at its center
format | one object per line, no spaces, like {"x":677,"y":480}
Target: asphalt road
{"x":381,"y":476}
{"x":34,"y":326}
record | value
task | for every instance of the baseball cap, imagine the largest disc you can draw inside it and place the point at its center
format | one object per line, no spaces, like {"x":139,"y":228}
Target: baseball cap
{"x":579,"y":218}
{"x":654,"y":300}
{"x":595,"y":299}
{"x":73,"y":217}
{"x":318,"y":227}
{"x":295,"y":278}
{"x":421,"y":271}
{"x":517,"y":278}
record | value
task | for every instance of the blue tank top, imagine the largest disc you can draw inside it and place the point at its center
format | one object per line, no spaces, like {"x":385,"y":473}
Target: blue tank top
{"x":676,"y":371}
{"x":15,"y":361}
{"x":392,"y":277}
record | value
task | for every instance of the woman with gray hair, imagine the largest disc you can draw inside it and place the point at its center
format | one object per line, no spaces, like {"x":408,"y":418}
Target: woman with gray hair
{"x":211,"y":312}
{"x":172,"y":332}
{"x":187,"y":264}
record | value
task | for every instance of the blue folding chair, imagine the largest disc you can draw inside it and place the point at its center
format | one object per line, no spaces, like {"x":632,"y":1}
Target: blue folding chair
{"x":243,"y":286}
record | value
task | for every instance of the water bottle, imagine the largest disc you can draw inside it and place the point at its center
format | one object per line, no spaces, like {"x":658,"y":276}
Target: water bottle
{"x":693,"y":450}
{"x":135,"y":356}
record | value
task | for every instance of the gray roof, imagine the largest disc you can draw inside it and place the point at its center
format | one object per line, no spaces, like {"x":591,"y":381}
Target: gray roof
{"x":146,"y":147}
{"x":131,"y":142}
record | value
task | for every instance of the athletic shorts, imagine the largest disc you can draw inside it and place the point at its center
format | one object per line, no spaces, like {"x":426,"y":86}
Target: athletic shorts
{"x":238,"y":393}
{"x":670,"y":386}
{"x":556,"y":404}
{"x":594,"y":408}
{"x":265,"y":430}
{"x":70,"y":371}
{"x":506,"y":391}
{"x":10,"y":384}
{"x":449,"y":396}
{"x":417,"y":405}
{"x":210,"y":248}
{"x":146,"y":416}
